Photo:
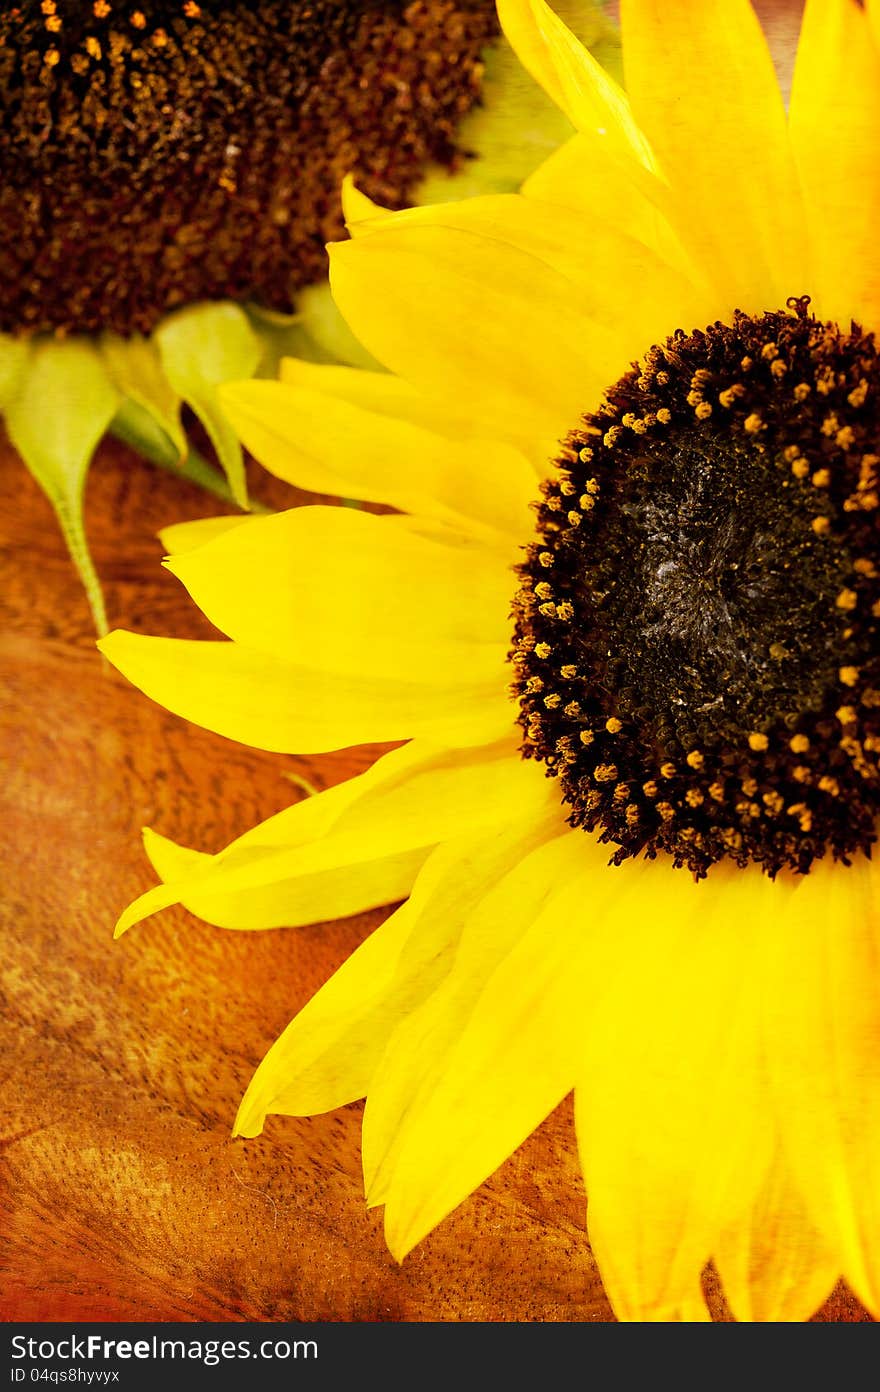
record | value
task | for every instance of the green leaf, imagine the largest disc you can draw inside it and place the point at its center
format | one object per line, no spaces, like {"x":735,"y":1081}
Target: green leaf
{"x":56,"y":413}
{"x":201,"y":347}
{"x":136,"y":369}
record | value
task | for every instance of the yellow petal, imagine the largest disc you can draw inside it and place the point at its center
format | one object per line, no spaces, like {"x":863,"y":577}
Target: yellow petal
{"x":387,"y":395}
{"x":326,"y":1055}
{"x":350,"y":593}
{"x":539,"y":327}
{"x":357,"y":207}
{"x":586,"y":244}
{"x":510,"y":1055}
{"x":328,"y":445}
{"x":380,"y":392}
{"x":671,"y":1106}
{"x":278,"y":891}
{"x":186,"y":536}
{"x":704,"y":91}
{"x":286,"y":708}
{"x":329,"y":1052}
{"x":823,"y":985}
{"x":773,"y":1264}
{"x":692,"y":1310}
{"x":511,"y":352}
{"x":364,"y":851}
{"x":835,"y":133}
{"x":479,"y":1017}
{"x":572,"y":77}
{"x":587,"y":177}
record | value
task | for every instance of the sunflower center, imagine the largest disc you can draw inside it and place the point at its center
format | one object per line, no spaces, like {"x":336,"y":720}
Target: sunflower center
{"x":155,"y":154}
{"x":696,"y":644}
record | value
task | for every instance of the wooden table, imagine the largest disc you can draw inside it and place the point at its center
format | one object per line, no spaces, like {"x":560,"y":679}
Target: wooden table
{"x":122,"y":1196}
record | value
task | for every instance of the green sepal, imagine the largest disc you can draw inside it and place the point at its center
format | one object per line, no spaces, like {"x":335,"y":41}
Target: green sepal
{"x":56,"y":413}
{"x":326,"y":328}
{"x":136,"y":369}
{"x":516,"y":126}
{"x":282,"y":336}
{"x":14,"y":353}
{"x":140,"y":431}
{"x":317,"y":332}
{"x":200,"y":347}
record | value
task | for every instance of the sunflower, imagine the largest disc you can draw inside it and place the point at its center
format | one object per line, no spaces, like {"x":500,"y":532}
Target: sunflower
{"x":632,"y":820}
{"x":170,"y":176}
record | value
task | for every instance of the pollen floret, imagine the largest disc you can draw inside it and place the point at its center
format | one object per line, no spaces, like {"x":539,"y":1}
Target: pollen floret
{"x":721,"y":648}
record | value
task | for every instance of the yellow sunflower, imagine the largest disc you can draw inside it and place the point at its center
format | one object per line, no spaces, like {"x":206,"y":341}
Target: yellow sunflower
{"x":633,"y":819}
{"x":170,"y":174}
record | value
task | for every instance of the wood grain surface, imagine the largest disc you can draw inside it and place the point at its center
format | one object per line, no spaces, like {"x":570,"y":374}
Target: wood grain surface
{"x":123,"y":1196}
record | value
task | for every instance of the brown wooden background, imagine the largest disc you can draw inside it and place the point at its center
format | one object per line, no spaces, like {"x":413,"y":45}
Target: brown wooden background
{"x":121,"y":1194}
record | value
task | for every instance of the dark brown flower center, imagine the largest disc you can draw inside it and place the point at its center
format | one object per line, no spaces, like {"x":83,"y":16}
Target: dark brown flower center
{"x":697,"y":630}
{"x":153,"y":154}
